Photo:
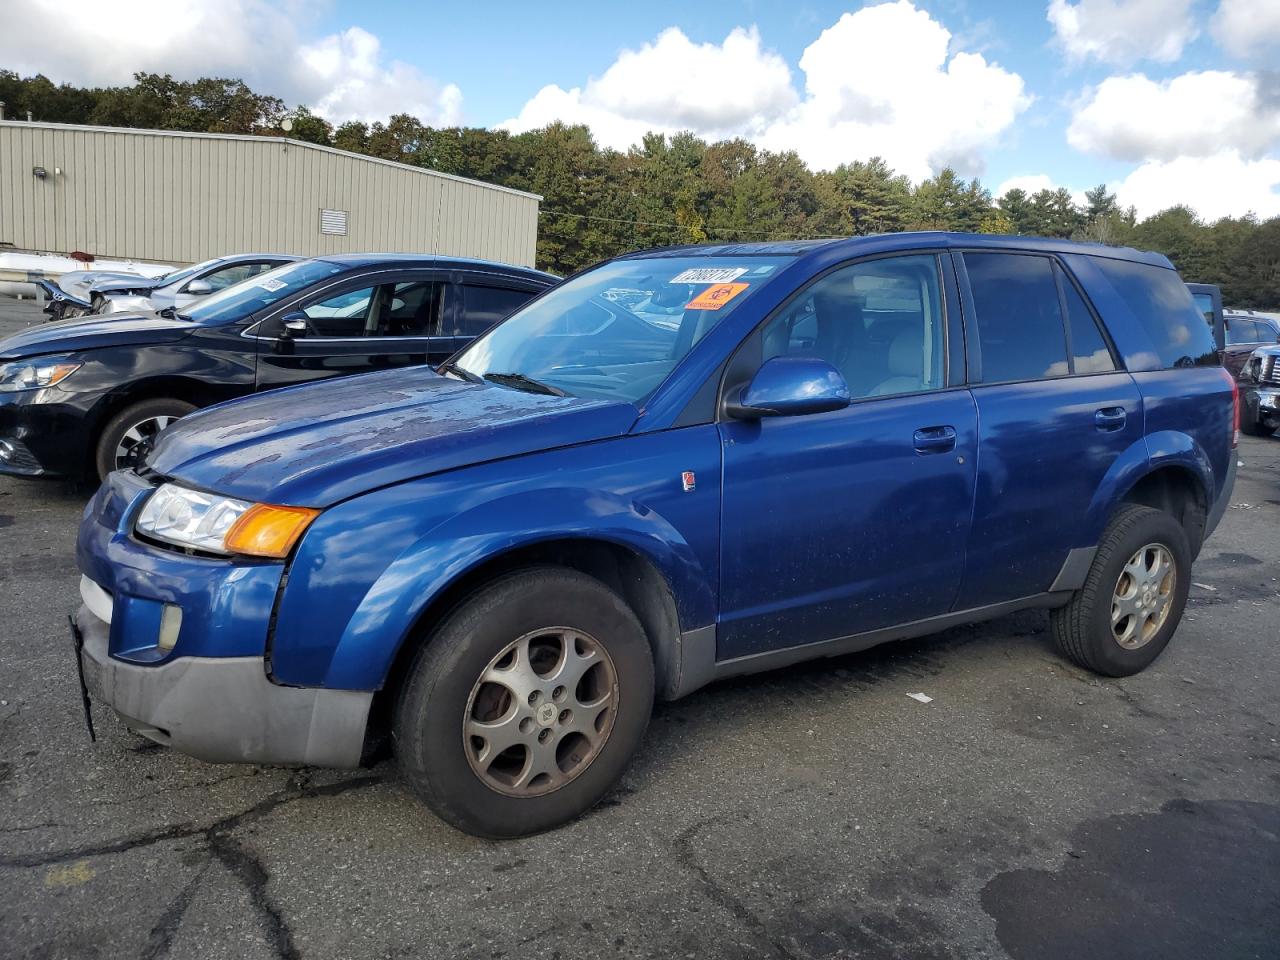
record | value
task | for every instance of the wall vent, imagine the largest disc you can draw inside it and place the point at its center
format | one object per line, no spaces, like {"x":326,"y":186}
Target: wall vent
{"x":333,"y":222}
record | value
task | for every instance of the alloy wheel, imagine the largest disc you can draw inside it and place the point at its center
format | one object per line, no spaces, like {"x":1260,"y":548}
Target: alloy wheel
{"x":138,"y":439}
{"x":1143,"y":596}
{"x":541,"y":712}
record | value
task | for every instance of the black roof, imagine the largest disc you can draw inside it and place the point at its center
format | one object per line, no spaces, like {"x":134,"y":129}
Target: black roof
{"x":354,"y":260}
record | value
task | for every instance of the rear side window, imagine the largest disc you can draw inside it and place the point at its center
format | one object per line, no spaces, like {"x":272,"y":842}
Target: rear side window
{"x":1020,"y":329}
{"x":482,"y":307}
{"x":1242,"y":331}
{"x":1163,"y":305}
{"x":1089,"y":351}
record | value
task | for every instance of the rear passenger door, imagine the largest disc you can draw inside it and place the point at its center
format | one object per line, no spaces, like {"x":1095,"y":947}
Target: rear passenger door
{"x":1054,"y":413}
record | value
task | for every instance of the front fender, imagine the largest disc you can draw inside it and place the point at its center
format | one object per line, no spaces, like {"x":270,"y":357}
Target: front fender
{"x":431,"y":565}
{"x":367,"y":568}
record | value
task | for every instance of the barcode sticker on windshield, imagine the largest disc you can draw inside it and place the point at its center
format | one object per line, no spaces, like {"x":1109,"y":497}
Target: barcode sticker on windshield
{"x":709,"y":275}
{"x":272,"y":284}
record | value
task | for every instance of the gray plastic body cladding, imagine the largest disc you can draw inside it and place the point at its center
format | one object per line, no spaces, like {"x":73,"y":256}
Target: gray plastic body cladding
{"x":225,"y":710}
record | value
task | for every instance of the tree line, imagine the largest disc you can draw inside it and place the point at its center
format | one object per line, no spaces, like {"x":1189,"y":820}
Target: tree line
{"x":681,"y":189}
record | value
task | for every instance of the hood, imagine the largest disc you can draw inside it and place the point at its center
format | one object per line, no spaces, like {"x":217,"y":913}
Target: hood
{"x":79,"y":282}
{"x":86,"y":333}
{"x":125,"y":284}
{"x":319,"y":443}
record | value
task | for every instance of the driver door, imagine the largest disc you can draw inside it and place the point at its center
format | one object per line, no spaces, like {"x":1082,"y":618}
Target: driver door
{"x":370,"y":323}
{"x":838,"y":523}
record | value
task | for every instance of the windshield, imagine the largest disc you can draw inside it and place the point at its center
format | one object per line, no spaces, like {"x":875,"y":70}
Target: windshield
{"x":250,"y":296}
{"x":615,"y":332}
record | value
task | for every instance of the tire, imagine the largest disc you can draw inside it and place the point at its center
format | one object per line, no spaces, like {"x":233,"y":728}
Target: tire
{"x":1084,"y":630}
{"x":494,"y":794}
{"x":140,"y":418}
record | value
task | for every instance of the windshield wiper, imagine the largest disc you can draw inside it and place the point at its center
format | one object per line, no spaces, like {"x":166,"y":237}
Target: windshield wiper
{"x":466,"y":375}
{"x":520,"y":382}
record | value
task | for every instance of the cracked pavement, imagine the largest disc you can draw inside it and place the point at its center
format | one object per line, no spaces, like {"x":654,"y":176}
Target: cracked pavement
{"x":1030,"y":811}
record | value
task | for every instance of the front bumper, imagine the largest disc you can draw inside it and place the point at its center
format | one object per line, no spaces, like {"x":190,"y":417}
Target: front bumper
{"x":1263,"y":402}
{"x":45,"y":433}
{"x":224,"y":709}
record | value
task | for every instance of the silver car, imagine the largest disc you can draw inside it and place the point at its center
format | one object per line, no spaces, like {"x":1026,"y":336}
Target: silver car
{"x":177,"y":290}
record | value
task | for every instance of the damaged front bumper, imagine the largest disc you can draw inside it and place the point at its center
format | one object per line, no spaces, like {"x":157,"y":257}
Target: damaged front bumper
{"x":223,"y":709}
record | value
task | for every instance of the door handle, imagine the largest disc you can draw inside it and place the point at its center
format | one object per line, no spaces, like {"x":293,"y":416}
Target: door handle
{"x":934,"y":439}
{"x":1109,"y":418}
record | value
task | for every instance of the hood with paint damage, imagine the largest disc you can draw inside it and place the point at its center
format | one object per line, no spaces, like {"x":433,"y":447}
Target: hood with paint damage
{"x":317,"y":444}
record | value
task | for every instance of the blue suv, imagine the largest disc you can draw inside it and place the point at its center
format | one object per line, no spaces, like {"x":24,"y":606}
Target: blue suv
{"x":678,"y":466}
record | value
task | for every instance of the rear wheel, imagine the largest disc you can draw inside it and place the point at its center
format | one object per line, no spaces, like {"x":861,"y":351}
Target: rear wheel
{"x":128,"y":436}
{"x":1132,"y":600}
{"x":526,"y":705}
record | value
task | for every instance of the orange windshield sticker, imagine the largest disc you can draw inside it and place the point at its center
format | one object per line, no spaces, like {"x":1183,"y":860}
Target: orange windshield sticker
{"x":715,"y":297}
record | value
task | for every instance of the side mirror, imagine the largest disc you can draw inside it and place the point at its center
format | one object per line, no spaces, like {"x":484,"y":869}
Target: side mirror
{"x":790,"y":387}
{"x":293,"y":325}
{"x":199,"y":288}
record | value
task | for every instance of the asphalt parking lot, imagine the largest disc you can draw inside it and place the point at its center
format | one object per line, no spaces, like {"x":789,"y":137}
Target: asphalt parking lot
{"x":1031,"y":810}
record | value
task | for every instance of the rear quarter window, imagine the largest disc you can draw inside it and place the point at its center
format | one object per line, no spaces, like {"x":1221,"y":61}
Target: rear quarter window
{"x":1163,"y":305}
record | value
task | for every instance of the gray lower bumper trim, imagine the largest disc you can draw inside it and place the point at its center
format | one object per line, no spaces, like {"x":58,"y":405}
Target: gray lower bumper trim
{"x":225,"y":710}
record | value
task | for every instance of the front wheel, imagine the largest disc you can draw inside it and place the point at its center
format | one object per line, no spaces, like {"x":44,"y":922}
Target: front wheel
{"x":525,"y":706}
{"x":128,"y":436}
{"x":1132,"y":599}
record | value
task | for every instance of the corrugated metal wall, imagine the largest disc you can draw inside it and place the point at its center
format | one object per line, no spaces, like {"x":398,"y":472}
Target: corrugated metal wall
{"x":151,"y":195}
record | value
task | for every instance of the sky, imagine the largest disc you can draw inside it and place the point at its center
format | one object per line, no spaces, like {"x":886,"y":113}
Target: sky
{"x":1165,"y":101}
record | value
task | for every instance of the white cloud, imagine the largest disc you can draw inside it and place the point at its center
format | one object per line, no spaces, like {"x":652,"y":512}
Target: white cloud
{"x":342,"y":75}
{"x":877,"y":82}
{"x":1247,"y":28}
{"x":1222,"y":185}
{"x":1029,"y":184}
{"x":1122,"y":31}
{"x":1192,"y":115}
{"x":669,"y":85}
{"x":352,"y":83}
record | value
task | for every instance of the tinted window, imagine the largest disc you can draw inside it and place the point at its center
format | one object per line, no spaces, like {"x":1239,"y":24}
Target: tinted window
{"x":1163,"y":305}
{"x":1242,"y":331}
{"x":879,"y":323}
{"x":1088,"y":348}
{"x":411,"y":309}
{"x":343,"y":315}
{"x":1204,"y":303}
{"x":482,"y":307}
{"x":1019,"y":319}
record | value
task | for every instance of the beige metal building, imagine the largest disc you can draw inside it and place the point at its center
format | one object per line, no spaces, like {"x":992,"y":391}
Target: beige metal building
{"x":184,"y":197}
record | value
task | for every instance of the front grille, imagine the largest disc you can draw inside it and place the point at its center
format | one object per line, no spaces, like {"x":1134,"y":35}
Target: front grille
{"x":1269,"y":373}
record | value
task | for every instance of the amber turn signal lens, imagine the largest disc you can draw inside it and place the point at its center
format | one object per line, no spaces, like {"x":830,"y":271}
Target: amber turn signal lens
{"x":268,"y":531}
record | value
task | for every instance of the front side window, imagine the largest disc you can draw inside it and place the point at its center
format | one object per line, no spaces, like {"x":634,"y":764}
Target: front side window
{"x":878,"y":322}
{"x":231,"y":275}
{"x":600,"y":334}
{"x":482,"y":307}
{"x":1019,"y":318}
{"x":342,"y":315}
{"x":411,"y":309}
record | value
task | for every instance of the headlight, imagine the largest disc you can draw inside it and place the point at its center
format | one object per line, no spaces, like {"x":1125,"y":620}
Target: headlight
{"x":35,"y":374}
{"x":214,"y":524}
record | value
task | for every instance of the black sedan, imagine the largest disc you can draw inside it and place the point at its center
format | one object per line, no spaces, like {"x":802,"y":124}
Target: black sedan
{"x":84,"y":397}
